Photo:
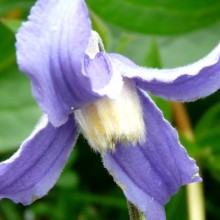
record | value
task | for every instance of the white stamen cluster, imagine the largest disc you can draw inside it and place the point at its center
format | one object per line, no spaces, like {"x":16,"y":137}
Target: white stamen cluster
{"x":107,"y":121}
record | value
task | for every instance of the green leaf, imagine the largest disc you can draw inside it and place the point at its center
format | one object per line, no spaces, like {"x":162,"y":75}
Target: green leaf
{"x":152,"y":59}
{"x":209,"y":123}
{"x":124,"y":41}
{"x":18,"y":110}
{"x":176,"y":208}
{"x":11,"y":24}
{"x":9,"y":211}
{"x":103,"y":30}
{"x":164,"y":106}
{"x":191,"y":146}
{"x":158,"y":17}
{"x":207,"y":134}
{"x":153,"y":55}
{"x":6,"y":6}
{"x":7,"y":55}
{"x":68,"y":179}
{"x":188,"y":48}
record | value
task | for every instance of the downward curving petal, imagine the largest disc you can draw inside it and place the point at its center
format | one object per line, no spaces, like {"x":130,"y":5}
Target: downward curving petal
{"x":50,"y":50}
{"x":33,"y":170}
{"x":151,"y":173}
{"x":186,"y":83}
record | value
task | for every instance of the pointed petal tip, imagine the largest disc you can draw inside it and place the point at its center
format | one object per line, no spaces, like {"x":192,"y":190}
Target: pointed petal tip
{"x":196,"y":178}
{"x":150,"y":174}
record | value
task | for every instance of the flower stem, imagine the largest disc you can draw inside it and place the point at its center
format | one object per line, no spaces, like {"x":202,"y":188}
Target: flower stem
{"x":195,"y":201}
{"x":194,"y":191}
{"x":134,"y":213}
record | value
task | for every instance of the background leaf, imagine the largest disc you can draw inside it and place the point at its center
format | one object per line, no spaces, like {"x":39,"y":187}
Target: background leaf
{"x":14,"y":8}
{"x":12,"y":24}
{"x":176,"y":208}
{"x":158,"y":17}
{"x":18,"y":110}
{"x":208,"y":137}
{"x":7,"y":50}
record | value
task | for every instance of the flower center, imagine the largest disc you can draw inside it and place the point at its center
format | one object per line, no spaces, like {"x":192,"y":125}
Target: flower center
{"x":109,"y":121}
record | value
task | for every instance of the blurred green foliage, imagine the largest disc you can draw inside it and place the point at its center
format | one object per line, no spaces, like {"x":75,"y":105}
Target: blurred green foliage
{"x":151,"y":32}
{"x":145,"y":16}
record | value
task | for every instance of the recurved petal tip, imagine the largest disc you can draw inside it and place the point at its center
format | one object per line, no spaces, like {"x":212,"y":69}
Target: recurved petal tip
{"x":187,"y":83}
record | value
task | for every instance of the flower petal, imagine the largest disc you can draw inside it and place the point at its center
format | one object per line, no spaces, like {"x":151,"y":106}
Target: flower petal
{"x":105,"y":80}
{"x":33,"y":170}
{"x":50,"y":50}
{"x":151,"y":173}
{"x":186,"y":83}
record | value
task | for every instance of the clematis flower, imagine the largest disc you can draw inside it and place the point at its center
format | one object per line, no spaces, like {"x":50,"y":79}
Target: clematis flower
{"x":81,"y":88}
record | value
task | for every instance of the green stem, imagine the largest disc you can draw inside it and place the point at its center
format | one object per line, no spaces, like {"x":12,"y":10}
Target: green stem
{"x":134,"y":213}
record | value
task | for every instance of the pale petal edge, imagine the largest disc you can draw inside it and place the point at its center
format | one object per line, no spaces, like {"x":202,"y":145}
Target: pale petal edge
{"x":34,"y":169}
{"x":187,"y":83}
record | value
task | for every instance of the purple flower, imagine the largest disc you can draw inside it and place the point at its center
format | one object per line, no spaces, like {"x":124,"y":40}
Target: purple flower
{"x":83,"y":89}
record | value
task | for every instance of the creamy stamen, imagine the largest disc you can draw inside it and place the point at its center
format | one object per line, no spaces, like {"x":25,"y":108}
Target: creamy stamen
{"x":108,"y":121}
